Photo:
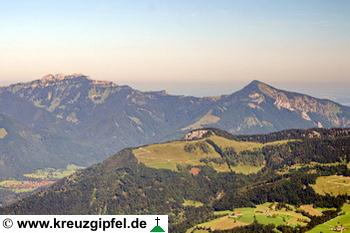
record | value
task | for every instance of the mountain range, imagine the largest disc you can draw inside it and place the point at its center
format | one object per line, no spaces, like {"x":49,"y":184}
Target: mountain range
{"x":62,"y":119}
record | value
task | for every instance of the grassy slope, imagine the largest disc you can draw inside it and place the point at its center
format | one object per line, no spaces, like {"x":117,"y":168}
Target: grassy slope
{"x":246,"y":169}
{"x":310,"y":210}
{"x":37,"y":179}
{"x":333,"y":185}
{"x":237,"y":145}
{"x":169,"y":155}
{"x":17,"y":186}
{"x":264,"y":214}
{"x":50,"y":173}
{"x":343,"y":220}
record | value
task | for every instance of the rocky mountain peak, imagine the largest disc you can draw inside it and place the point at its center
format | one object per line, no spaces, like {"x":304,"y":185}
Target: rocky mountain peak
{"x":256,"y":83}
{"x":54,"y":78}
{"x":255,"y":86}
{"x":62,"y":77}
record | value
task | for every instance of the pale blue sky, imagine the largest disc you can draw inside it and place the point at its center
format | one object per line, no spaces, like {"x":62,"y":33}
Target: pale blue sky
{"x":161,"y":42}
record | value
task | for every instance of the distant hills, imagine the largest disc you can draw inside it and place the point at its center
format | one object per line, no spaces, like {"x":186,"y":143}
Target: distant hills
{"x":62,"y":119}
{"x":206,"y":176}
{"x":23,"y":149}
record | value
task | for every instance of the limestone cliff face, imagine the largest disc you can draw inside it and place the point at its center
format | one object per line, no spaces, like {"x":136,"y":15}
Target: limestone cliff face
{"x":196,"y":134}
{"x":305,"y":105}
{"x":62,"y":94}
{"x":260,"y":108}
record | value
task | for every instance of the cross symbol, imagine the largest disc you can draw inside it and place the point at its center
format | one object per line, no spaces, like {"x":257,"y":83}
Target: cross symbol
{"x":157,"y":219}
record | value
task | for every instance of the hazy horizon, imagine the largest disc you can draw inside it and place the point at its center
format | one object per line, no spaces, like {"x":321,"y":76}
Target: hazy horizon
{"x":155,"y":41}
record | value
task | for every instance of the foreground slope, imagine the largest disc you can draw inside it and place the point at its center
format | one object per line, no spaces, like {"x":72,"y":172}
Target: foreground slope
{"x":190,"y":179}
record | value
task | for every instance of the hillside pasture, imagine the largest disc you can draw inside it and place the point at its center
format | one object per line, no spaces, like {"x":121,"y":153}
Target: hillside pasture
{"x":342,"y":222}
{"x":170,"y":155}
{"x":239,"y":146}
{"x":246,"y":169}
{"x":333,"y":185}
{"x":52,"y":173}
{"x":263,"y":214}
{"x":17,"y":186}
{"x":310,"y":210}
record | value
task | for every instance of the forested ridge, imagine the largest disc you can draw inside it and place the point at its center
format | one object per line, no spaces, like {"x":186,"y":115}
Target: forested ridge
{"x":123,"y":185}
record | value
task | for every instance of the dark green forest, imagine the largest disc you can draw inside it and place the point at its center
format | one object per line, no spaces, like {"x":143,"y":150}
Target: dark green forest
{"x":122,"y":185}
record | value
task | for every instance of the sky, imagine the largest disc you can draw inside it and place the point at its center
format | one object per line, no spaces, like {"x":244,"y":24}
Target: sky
{"x":194,"y":47}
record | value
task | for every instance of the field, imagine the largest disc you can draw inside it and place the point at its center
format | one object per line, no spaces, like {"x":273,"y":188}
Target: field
{"x":237,"y":145}
{"x":310,"y":165}
{"x":264,"y":214}
{"x":170,"y":155}
{"x":342,"y":220}
{"x":223,"y":223}
{"x":23,"y":186}
{"x":310,"y":210}
{"x":246,"y":169}
{"x":37,"y":179}
{"x":281,"y":142}
{"x":334,"y":185}
{"x":51,"y":173}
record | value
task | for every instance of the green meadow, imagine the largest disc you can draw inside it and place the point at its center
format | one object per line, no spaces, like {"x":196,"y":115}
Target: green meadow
{"x":37,"y":179}
{"x":266,"y":213}
{"x":342,"y":222}
{"x":52,"y":173}
{"x":333,"y":185}
{"x":171,"y":155}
